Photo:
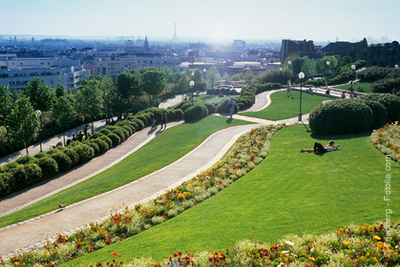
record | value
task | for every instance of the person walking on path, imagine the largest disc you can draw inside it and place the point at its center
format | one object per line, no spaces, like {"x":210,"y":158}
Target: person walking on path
{"x":231,"y":108}
{"x":164,"y":118}
{"x":85,"y":131}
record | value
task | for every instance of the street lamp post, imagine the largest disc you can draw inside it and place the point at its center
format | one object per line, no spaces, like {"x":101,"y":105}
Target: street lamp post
{"x":326,"y":78}
{"x":395,"y":76}
{"x":204,"y":77}
{"x":191,"y":83}
{"x":289,"y":63}
{"x":353,"y":67}
{"x":301,"y":76}
{"x":39,"y":115}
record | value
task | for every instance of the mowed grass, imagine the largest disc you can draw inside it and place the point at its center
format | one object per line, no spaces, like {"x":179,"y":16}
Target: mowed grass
{"x":288,"y":193}
{"x":283,"y":107}
{"x":166,"y":148}
{"x":365,"y":85}
{"x":212,"y":99}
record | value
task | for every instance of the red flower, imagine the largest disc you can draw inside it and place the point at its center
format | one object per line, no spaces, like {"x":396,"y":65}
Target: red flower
{"x":115,"y":254}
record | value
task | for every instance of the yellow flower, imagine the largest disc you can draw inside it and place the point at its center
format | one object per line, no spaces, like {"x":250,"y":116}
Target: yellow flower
{"x":311,"y":258}
{"x":345,"y":242}
{"x":377,"y":237}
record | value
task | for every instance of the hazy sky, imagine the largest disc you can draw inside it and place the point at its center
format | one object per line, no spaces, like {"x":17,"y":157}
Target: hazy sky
{"x":318,"y":20}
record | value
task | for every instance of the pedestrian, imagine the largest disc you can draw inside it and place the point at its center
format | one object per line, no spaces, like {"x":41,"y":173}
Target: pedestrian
{"x":85,"y":131}
{"x":343,"y":94}
{"x":164,"y":118}
{"x":73,"y":137}
{"x":231,"y":107}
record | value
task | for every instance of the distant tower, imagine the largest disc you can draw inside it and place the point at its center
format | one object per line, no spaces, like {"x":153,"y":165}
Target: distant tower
{"x":175,"y":38}
{"x":146,"y":44}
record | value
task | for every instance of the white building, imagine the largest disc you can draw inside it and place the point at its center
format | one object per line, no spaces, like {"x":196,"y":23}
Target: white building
{"x":17,"y":72}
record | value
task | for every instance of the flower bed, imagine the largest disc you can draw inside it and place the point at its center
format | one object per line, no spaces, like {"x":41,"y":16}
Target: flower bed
{"x":248,"y":151}
{"x":387,"y":140}
{"x":363,"y":245}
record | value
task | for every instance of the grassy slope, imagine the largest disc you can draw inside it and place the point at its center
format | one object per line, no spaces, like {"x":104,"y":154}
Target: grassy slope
{"x":161,"y":151}
{"x":365,"y":85}
{"x":283,"y":107}
{"x":288,"y":193}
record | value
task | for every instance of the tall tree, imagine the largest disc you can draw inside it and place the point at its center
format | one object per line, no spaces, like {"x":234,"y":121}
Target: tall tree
{"x":152,"y":81}
{"x":88,"y":101}
{"x":63,"y":113}
{"x":41,"y":95}
{"x":6,"y":102}
{"x":107,"y":89}
{"x":60,"y":90}
{"x":127,"y":91}
{"x":249,"y":76}
{"x":212,"y":75}
{"x":23,"y":122}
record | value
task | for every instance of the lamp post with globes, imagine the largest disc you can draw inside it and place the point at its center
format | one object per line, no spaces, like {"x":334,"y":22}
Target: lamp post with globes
{"x":301,"y":76}
{"x":326,"y":78}
{"x":39,"y":115}
{"x":395,"y":76}
{"x":191,"y":83}
{"x":353,"y":67}
{"x":289,"y":64}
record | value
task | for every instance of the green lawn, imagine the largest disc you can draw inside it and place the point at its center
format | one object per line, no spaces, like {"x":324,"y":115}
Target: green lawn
{"x":213,"y":99}
{"x":365,"y":85}
{"x":166,"y":148}
{"x":283,"y":107}
{"x":288,"y":193}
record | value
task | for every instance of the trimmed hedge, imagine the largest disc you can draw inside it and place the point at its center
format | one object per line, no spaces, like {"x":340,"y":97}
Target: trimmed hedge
{"x":341,"y":117}
{"x":64,"y":162}
{"x":379,"y":113}
{"x":49,"y":167}
{"x":197,"y":111}
{"x":390,"y":102}
{"x":224,"y":107}
{"x":115,"y":139}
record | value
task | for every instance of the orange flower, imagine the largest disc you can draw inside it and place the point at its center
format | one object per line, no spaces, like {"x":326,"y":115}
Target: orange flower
{"x":115,"y":254}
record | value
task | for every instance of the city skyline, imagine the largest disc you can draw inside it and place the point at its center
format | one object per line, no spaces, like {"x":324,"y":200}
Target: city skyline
{"x":214,"y":20}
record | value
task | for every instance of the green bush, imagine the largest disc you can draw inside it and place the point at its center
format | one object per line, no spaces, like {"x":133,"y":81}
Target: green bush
{"x":139,"y":123}
{"x":340,"y":117}
{"x":96,"y":135}
{"x":105,"y":131}
{"x":72,"y":155}
{"x":107,"y":140}
{"x":19,"y":178}
{"x":26,"y":159}
{"x":390,"y":102}
{"x":210,"y":108}
{"x":196,"y":112}
{"x":94,"y":146}
{"x":224,"y":107}
{"x":129,"y":129}
{"x":84,"y":151}
{"x":102,"y":144}
{"x":120,"y":134}
{"x":178,"y":115}
{"x":379,"y":113}
{"x":49,"y":167}
{"x":115,"y":139}
{"x":33,"y":174}
{"x":6,"y":184}
{"x":64,"y":162}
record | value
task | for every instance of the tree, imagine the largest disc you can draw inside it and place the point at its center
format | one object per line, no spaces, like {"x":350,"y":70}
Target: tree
{"x":23,"y":122}
{"x":249,"y":76}
{"x":40,"y":94}
{"x":212,"y":75}
{"x":88,"y":99}
{"x":152,"y":81}
{"x":6,"y":103}
{"x":127,"y":91}
{"x":60,"y":90}
{"x":107,"y":89}
{"x":63,"y":113}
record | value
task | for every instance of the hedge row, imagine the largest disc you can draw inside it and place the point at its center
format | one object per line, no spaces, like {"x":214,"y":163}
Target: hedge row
{"x":347,"y":116}
{"x":28,"y":171}
{"x":221,"y":91}
{"x":248,"y":94}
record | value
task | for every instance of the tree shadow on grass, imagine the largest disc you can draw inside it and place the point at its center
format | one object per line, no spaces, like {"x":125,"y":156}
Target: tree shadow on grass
{"x":339,"y":136}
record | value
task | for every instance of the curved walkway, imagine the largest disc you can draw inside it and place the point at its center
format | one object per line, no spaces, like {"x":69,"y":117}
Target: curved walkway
{"x":34,"y":231}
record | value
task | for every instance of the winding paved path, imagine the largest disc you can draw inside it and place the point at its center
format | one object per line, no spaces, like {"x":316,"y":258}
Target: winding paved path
{"x":31,"y":233}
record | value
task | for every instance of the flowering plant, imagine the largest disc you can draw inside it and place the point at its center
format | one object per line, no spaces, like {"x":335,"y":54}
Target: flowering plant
{"x":387,"y":140}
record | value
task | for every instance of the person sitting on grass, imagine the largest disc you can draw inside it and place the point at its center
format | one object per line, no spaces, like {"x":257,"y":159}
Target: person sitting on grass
{"x":319,"y":149}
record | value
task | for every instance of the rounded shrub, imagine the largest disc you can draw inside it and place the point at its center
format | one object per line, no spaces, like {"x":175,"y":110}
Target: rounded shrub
{"x":72,"y":155}
{"x":390,"y":102}
{"x":178,"y":114}
{"x":224,"y":107}
{"x":33,"y":174}
{"x":139,"y":123}
{"x":6,"y":184}
{"x":64,"y":162}
{"x":115,"y":139}
{"x":49,"y":167}
{"x":210,"y":108}
{"x":26,"y":159}
{"x":94,"y":146}
{"x":379,"y":113}
{"x":96,"y":135}
{"x":340,"y":117}
{"x":105,"y":131}
{"x":196,"y":112}
{"x":120,"y":134}
{"x":102,"y":144}
{"x":129,"y":130}
{"x":19,"y":177}
{"x":107,"y":139}
{"x":84,"y":151}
